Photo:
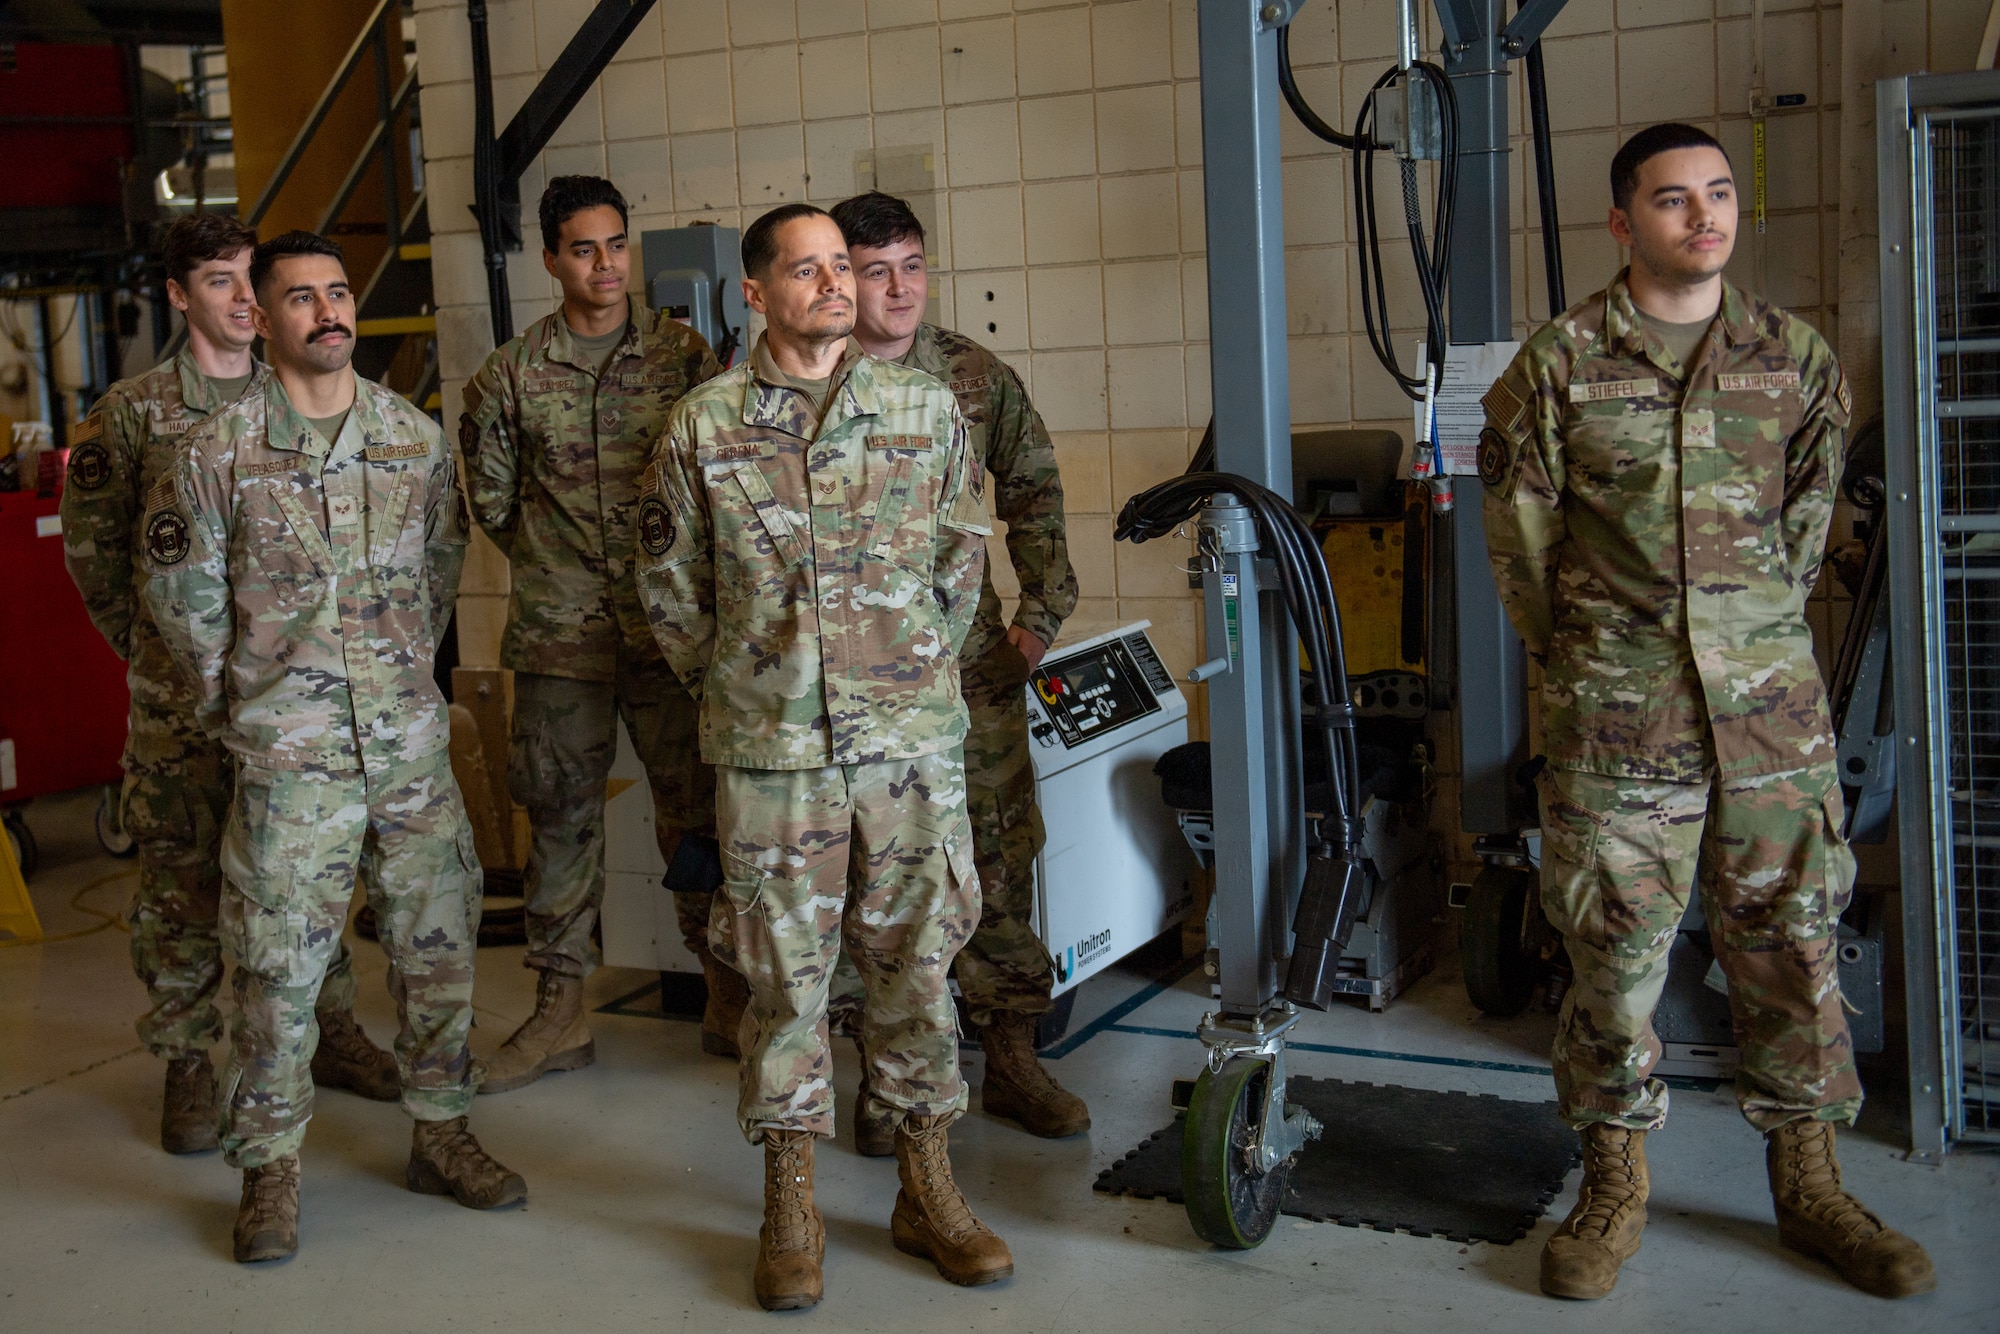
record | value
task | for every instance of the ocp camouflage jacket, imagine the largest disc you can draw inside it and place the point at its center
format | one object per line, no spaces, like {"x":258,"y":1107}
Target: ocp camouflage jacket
{"x":302,"y":587}
{"x":1655,"y":530}
{"x":812,"y":583}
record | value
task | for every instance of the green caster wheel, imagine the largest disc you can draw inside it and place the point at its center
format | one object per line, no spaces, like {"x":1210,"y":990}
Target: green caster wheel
{"x":1228,"y":1203}
{"x":1499,"y":941}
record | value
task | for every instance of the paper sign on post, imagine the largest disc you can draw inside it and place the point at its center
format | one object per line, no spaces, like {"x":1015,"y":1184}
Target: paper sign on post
{"x":1469,"y":371}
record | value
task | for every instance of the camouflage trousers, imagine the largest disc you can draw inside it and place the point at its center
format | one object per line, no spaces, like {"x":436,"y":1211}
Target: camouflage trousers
{"x":565,"y":740}
{"x":296,"y":842}
{"x":1004,"y":968}
{"x":1620,"y":858}
{"x":878,"y":858}
{"x":178,"y":785}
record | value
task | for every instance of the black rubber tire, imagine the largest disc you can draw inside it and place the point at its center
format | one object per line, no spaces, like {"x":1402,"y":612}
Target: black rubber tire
{"x":111,"y":835}
{"x":1226,"y":1203}
{"x":26,"y":855}
{"x":1501,"y":975}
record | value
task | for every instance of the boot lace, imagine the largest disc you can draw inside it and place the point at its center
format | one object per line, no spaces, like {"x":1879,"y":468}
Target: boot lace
{"x":269,"y":1185}
{"x":1608,"y":1191}
{"x":1813,"y":1174}
{"x":786,"y":1212}
{"x":451,"y":1146}
{"x":1014,"y":1052}
{"x":930,"y":1164}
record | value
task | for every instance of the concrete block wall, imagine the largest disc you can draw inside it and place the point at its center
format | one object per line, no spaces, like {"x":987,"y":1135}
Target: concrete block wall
{"x":1061,"y":145}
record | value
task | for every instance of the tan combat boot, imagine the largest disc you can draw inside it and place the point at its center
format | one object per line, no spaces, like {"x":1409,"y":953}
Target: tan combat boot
{"x":446,"y":1160}
{"x":874,"y":1128}
{"x":187,"y":1111}
{"x":722,"y":1016}
{"x":1602,"y":1231}
{"x":932,"y":1220}
{"x":554,"y":1038}
{"x":1017,"y":1087}
{"x":267,"y":1221}
{"x":347,"y":1058}
{"x":792,"y":1243}
{"x":1817,"y":1217}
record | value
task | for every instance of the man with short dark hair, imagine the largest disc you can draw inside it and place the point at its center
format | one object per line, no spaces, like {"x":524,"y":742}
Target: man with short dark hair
{"x":1661,"y":463}
{"x":1004,"y":971}
{"x":556,"y":428}
{"x":302,"y":560}
{"x":813,"y":531}
{"x":178,"y":780}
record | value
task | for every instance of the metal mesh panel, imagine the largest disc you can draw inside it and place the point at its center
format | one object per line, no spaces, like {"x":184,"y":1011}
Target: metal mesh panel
{"x":1964,"y":429}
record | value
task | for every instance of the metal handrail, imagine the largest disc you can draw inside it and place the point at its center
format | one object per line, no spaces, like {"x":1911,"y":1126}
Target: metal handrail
{"x":362,"y":162}
{"x":321,"y":109}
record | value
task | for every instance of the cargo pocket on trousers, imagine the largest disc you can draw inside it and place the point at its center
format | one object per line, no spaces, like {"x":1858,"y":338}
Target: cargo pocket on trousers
{"x":264,"y":846}
{"x":1839,"y":864}
{"x":1571,"y":896}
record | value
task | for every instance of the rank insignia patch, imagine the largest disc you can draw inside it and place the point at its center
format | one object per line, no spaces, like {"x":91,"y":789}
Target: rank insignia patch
{"x":89,"y":466}
{"x":656,"y":526}
{"x":167,"y":538}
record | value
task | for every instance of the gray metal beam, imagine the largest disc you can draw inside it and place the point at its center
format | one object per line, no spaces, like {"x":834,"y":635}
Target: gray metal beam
{"x":1491,"y":666}
{"x":1253,"y":710}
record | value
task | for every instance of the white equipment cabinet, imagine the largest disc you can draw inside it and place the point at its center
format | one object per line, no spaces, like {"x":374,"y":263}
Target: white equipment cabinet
{"x":1115,"y":870}
{"x":1114,"y":873}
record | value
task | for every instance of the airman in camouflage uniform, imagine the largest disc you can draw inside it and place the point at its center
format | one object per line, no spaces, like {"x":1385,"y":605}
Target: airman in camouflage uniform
{"x":556,"y":430}
{"x":179,"y":780}
{"x":1005,"y":973}
{"x":1655,"y":526}
{"x":811,"y":564}
{"x":301,"y":584}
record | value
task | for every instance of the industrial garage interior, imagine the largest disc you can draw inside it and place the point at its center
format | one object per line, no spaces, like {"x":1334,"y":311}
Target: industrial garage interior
{"x":1343,"y":596}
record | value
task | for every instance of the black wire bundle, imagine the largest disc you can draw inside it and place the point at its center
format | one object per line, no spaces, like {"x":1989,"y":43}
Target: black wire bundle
{"x":1309,"y":598}
{"x":1431,"y":265}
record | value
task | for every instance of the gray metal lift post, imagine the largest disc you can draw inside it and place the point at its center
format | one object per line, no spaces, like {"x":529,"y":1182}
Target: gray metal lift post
{"x":1253,"y":686}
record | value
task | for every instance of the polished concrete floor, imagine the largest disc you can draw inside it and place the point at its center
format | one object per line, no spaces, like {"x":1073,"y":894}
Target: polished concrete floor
{"x":644,"y":1200}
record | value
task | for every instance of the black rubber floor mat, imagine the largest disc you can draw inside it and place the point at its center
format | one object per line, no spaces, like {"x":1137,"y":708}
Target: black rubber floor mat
{"x":1467,"y":1167}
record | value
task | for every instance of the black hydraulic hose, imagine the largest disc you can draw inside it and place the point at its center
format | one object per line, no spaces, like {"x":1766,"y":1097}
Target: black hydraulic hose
{"x":1432,"y":263}
{"x":1297,"y":101}
{"x":1545,"y":178}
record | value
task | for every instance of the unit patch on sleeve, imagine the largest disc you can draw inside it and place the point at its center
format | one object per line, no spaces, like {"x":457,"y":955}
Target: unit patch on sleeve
{"x":656,"y":526}
{"x":1492,"y":457}
{"x":167,"y":538}
{"x":89,"y":466}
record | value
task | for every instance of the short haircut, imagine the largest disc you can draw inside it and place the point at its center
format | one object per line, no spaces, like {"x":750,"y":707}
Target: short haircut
{"x":568,"y":196}
{"x":197,"y":238}
{"x":877,"y":220}
{"x":760,"y":238}
{"x":1648,"y":144}
{"x":289,"y":246}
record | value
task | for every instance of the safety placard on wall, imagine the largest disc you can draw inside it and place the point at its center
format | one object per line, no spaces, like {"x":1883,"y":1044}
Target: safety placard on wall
{"x":1453,"y":417}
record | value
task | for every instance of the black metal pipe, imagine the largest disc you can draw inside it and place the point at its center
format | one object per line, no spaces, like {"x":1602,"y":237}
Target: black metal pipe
{"x":1545,"y":179}
{"x":485,"y":178}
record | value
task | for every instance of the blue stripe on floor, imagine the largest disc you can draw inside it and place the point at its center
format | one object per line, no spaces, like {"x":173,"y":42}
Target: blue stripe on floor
{"x":1110,"y":1017}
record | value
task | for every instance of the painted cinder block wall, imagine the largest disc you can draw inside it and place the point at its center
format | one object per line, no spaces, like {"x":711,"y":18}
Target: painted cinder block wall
{"x":1061,"y":143}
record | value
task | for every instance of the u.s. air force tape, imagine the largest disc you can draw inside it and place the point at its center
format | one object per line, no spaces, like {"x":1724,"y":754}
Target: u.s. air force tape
{"x":167,"y":538}
{"x":656,"y":526}
{"x":89,"y":466}
{"x":1492,"y":457}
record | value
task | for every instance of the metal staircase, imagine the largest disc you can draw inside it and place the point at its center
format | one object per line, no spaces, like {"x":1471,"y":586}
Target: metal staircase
{"x":395,"y":311}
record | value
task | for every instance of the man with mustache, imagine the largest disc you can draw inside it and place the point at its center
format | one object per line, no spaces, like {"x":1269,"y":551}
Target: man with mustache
{"x":556,"y":428}
{"x":302,"y":560}
{"x":1004,"y":971}
{"x":812,"y":530}
{"x":1661,"y":463}
{"x":178,"y":779}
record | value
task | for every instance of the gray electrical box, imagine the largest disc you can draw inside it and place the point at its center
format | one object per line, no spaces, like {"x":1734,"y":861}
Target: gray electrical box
{"x":695,"y":274}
